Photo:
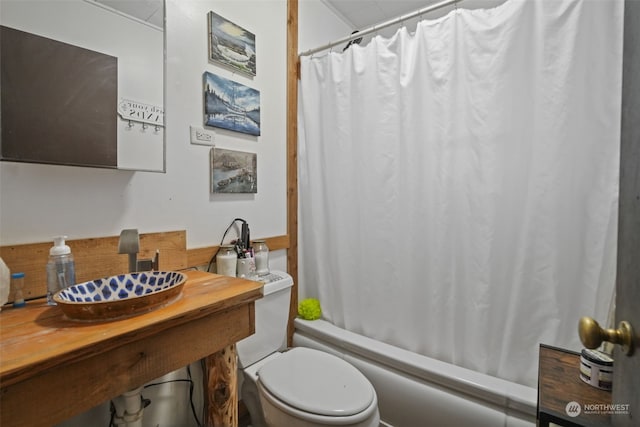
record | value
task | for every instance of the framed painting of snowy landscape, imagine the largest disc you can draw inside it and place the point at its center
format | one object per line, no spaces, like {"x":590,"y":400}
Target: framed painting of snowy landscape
{"x":231,"y":45}
{"x":233,"y":171}
{"x":231,"y":105}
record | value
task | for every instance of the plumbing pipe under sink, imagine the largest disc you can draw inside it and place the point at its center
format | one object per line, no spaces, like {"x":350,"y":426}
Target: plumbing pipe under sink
{"x":129,"y":408}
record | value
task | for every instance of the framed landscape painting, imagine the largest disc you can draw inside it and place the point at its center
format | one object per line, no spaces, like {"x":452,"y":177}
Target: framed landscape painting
{"x":233,"y":171}
{"x":231,"y":45}
{"x":231,"y":105}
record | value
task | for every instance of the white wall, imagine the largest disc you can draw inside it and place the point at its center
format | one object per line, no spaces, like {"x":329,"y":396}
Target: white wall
{"x":40,"y":201}
{"x":319,"y":24}
{"x":138,"y":47}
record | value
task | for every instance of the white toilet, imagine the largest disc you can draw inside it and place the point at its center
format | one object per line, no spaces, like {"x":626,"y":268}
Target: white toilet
{"x":300,"y":387}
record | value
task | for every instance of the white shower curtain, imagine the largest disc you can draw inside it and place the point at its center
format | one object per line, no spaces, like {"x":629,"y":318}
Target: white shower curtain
{"x":458,"y":185}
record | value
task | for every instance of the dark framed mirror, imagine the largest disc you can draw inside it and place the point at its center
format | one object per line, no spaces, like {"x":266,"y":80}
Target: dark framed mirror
{"x":82,"y":83}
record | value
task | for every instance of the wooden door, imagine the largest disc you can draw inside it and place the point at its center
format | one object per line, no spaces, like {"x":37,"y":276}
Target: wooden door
{"x":626,"y":382}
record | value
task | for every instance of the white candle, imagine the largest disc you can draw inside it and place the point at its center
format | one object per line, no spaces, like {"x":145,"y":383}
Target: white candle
{"x":226,"y":262}
{"x":262,"y":262}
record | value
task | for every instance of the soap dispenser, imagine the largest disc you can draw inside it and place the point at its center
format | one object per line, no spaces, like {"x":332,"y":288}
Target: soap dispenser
{"x":61,"y":271}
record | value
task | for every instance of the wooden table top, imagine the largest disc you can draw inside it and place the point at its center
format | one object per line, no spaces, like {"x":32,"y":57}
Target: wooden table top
{"x":39,"y":337}
{"x":559,"y":384}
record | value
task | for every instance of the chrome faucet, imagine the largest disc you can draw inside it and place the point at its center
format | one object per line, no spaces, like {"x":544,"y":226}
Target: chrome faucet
{"x":129,"y":243}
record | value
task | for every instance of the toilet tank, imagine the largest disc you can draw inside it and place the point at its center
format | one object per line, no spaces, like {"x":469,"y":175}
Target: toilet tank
{"x":271,"y":317}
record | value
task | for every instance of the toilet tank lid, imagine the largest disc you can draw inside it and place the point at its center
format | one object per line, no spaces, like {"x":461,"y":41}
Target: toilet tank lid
{"x":317,"y":382}
{"x":275,"y":281}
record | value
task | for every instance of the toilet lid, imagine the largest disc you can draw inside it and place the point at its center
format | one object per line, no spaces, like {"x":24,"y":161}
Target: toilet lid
{"x":317,"y":382}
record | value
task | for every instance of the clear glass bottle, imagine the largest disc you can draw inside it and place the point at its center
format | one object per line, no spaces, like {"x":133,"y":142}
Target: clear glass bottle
{"x":17,"y":283}
{"x":226,"y":260}
{"x":261,"y":255}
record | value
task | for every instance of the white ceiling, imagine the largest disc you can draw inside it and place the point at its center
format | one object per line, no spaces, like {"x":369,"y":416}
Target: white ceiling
{"x":366,"y":13}
{"x":151,"y":11}
{"x":359,"y":13}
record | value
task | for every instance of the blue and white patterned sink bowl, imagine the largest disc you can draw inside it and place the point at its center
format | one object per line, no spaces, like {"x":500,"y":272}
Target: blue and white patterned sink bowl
{"x":120,"y":296}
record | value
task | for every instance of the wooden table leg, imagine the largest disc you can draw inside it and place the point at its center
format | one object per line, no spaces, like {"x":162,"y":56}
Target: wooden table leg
{"x":221,"y":388}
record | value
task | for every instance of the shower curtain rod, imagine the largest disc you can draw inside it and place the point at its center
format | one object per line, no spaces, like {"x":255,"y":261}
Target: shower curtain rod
{"x":386,"y":24}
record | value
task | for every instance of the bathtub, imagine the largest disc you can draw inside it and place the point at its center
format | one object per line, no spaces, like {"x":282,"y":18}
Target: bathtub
{"x":417,"y":391}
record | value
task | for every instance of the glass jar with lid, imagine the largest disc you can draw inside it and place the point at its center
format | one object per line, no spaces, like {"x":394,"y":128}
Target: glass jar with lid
{"x":226,"y":260}
{"x":261,"y":255}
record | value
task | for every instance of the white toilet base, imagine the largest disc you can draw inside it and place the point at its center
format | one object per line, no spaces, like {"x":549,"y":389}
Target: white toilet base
{"x":267,"y":411}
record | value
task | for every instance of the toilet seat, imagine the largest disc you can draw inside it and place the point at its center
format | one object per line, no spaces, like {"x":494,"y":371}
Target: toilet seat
{"x":315,"y":383}
{"x":296,"y":417}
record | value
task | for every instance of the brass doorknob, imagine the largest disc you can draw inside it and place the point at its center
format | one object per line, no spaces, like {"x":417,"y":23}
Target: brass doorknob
{"x":592,"y":335}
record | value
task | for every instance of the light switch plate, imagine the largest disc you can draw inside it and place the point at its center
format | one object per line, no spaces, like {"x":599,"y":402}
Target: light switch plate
{"x":200,"y":136}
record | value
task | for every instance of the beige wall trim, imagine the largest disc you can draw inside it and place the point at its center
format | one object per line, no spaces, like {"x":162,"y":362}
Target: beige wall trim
{"x":98,"y":257}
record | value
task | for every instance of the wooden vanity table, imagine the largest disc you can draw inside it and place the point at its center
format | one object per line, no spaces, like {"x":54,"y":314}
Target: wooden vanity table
{"x":52,"y":368}
{"x":559,"y":384}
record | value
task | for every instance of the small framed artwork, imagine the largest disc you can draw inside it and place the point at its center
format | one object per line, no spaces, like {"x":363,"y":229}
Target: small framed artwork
{"x":231,"y":45}
{"x":231,"y":105}
{"x":233,"y":171}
